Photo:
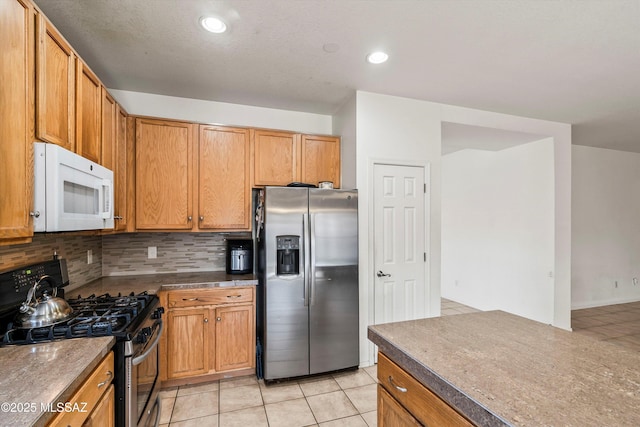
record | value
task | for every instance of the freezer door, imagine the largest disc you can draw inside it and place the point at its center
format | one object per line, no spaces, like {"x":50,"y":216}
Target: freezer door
{"x":286,"y":315}
{"x":333,"y":302}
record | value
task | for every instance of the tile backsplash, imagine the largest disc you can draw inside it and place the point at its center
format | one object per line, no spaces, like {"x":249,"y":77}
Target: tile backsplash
{"x":71,"y":247}
{"x":125,"y":254}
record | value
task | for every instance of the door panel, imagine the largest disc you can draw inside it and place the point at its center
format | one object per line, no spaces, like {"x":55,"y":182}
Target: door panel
{"x":399,"y":243}
{"x":286,"y":318}
{"x":333,"y":307}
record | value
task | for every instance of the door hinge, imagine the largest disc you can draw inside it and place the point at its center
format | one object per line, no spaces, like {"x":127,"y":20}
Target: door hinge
{"x":425,"y":188}
{"x":425,"y":257}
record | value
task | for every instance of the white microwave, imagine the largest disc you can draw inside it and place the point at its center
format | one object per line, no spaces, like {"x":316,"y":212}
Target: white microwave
{"x":70,"y":192}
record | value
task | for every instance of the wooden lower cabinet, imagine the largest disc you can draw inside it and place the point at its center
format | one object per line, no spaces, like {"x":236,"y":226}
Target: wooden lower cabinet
{"x":210,"y":334}
{"x":403,"y":401}
{"x":95,"y":396}
{"x":391,"y":413}
{"x":105,"y":411}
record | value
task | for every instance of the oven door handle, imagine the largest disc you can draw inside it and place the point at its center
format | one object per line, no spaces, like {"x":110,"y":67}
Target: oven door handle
{"x":139,"y":359}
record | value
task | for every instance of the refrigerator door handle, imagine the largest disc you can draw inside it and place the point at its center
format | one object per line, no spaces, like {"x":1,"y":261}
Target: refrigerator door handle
{"x":305,"y":257}
{"x":312,"y":258}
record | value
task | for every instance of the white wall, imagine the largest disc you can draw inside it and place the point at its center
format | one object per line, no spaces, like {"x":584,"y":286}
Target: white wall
{"x":403,"y":131}
{"x":196,"y":110}
{"x":605,"y":227}
{"x":498,"y":229}
{"x":344,"y":124}
{"x":561,"y":134}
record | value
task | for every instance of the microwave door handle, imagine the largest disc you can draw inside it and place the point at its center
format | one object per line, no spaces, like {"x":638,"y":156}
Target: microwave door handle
{"x":107,"y":188}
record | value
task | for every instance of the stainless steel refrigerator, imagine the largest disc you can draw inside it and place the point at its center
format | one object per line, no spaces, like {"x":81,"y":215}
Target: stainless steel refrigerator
{"x":307,"y":244}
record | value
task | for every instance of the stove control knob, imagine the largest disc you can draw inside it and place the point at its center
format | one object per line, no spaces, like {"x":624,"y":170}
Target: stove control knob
{"x":157,"y":314}
{"x":144,"y":335}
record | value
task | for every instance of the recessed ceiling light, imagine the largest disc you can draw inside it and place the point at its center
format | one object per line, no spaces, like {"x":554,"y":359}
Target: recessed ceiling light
{"x":213,"y":24}
{"x":377,"y":57}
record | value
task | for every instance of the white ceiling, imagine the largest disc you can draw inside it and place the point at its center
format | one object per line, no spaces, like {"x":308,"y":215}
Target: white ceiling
{"x":571,"y":61}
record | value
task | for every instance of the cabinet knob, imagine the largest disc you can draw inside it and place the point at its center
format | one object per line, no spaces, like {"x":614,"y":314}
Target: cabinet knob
{"x":189,"y":218}
{"x":206,"y":320}
{"x":35,"y":214}
{"x":218,"y":318}
{"x":201,"y":218}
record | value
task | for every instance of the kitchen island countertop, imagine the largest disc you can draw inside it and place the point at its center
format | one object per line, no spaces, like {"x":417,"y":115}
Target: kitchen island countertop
{"x":153,"y":283}
{"x":37,"y":375}
{"x":499,"y":369}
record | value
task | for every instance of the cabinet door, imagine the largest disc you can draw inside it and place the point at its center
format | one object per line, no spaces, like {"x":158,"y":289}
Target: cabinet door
{"x":108,"y":131}
{"x":121,"y":171}
{"x":235,"y":341}
{"x":188,"y":342}
{"x":391,"y":413}
{"x":223,"y":178}
{"x":275,"y":157}
{"x":164,"y":175}
{"x":88,"y":113}
{"x":55,"y":87}
{"x":104,"y":413}
{"x":17,"y":115}
{"x":321,"y":159}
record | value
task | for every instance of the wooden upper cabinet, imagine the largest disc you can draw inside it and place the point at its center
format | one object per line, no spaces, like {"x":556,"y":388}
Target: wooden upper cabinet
{"x":321,"y":159}
{"x":108,"y":131}
{"x":16,"y":119}
{"x":275,"y":157}
{"x":55,"y":106}
{"x":164,"y":174}
{"x":223,"y":185}
{"x":122,"y":171}
{"x":88,"y":113}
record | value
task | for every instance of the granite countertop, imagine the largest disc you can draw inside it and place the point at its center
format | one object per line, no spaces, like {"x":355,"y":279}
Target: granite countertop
{"x":499,"y":369}
{"x":45,"y":373}
{"x":153,"y":283}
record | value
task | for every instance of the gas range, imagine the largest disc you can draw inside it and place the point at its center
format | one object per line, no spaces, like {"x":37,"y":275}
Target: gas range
{"x":96,"y":315}
{"x":135,"y":320}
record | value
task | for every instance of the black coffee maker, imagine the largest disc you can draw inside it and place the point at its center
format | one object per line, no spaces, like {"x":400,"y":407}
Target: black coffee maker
{"x":239,"y":256}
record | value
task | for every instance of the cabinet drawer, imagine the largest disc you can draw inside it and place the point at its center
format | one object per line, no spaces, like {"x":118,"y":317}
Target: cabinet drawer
{"x":195,"y":297}
{"x":423,"y":404}
{"x":89,"y":393}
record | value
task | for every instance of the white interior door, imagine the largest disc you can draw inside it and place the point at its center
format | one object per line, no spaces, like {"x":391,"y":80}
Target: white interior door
{"x":399,"y":243}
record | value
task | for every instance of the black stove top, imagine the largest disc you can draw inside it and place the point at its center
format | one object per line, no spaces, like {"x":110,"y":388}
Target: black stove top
{"x":96,"y":315}
{"x":102,"y":315}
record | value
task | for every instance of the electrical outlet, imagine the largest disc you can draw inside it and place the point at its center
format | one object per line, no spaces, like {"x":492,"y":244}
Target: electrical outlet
{"x":89,"y":256}
{"x":635,"y":281}
{"x":152,"y":252}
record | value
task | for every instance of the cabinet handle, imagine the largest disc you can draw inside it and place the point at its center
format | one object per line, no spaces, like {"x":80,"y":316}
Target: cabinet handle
{"x":118,"y":217}
{"x":107,"y":381}
{"x":397,"y":387}
{"x":189,"y":218}
{"x":190,"y":299}
{"x":234,"y":296}
{"x":201,"y":218}
{"x":35,"y":214}
{"x":206,"y":320}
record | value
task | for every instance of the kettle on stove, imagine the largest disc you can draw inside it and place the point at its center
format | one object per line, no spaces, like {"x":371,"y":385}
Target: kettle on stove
{"x":44,"y":311}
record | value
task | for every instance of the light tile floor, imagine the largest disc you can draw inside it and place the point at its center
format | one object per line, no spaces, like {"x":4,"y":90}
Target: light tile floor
{"x":618,"y":324}
{"x":342,"y":399}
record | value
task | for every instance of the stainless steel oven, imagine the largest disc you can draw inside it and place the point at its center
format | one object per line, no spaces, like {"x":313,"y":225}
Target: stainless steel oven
{"x":141,"y":373}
